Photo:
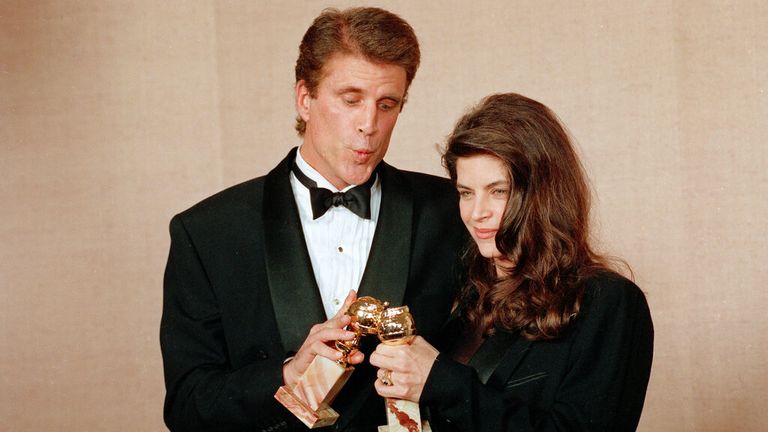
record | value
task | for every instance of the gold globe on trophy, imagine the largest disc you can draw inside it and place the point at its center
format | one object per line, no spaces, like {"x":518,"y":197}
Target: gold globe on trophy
{"x":364,"y":313}
{"x":396,"y":326}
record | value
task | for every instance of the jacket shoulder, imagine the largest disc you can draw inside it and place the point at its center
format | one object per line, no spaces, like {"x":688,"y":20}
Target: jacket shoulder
{"x":234,"y":199}
{"x":612,"y":295}
{"x":611,"y":286}
{"x":428,"y":187}
{"x":427,"y":179}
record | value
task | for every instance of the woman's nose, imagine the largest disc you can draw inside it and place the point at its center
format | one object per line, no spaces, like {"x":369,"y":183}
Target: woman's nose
{"x":481,"y":210}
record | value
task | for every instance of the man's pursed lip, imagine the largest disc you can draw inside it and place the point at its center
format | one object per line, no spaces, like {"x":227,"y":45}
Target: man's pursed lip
{"x":362,"y":156}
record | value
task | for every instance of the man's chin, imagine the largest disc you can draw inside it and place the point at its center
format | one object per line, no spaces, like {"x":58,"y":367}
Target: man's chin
{"x":360,"y":177}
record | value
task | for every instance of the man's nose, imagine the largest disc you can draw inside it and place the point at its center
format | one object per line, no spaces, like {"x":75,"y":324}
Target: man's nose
{"x":367,"y":120}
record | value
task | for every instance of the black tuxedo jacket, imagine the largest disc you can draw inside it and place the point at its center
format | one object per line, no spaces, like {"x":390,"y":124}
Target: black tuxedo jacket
{"x":593,"y":378}
{"x":240,"y":296}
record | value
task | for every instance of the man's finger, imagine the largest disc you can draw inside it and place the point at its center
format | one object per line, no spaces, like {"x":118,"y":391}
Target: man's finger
{"x":356,"y":357}
{"x":330,"y":335}
{"x":351,"y":297}
{"x":328,"y":352}
{"x":337,"y":322}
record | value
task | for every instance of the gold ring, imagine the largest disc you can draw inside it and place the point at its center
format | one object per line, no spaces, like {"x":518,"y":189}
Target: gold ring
{"x":386,"y":379}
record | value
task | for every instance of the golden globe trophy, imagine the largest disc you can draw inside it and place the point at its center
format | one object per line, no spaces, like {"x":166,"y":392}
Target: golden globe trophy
{"x":396,"y":327}
{"x":310,"y":398}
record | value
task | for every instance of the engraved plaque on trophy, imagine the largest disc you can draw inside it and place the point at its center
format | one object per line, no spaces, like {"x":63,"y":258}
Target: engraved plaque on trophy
{"x":310,"y":398}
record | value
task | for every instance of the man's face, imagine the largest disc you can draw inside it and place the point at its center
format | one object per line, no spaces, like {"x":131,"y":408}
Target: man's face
{"x":351,"y":117}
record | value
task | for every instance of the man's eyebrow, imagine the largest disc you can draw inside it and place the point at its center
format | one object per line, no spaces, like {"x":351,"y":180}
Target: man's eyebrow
{"x":349,"y":89}
{"x":397,"y":99}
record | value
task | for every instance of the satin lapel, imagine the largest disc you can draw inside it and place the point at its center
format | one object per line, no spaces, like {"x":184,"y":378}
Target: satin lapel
{"x":295,"y":295}
{"x":386,"y":272}
{"x":489,"y":355}
{"x":498,"y":356}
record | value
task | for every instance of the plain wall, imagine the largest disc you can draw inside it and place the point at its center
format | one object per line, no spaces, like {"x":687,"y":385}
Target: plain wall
{"x":115,"y":115}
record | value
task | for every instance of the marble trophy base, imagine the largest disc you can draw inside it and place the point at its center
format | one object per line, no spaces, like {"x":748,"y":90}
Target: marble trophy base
{"x":403,"y":416}
{"x":310,"y":399}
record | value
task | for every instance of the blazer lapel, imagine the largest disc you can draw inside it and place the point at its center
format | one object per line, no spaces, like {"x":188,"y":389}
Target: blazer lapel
{"x":505,"y":353}
{"x":496,"y":359}
{"x":489,"y":355}
{"x":295,"y":295}
{"x":386,"y":272}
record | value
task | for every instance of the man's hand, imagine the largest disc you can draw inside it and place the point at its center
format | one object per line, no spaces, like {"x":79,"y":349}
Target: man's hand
{"x":320,"y":341}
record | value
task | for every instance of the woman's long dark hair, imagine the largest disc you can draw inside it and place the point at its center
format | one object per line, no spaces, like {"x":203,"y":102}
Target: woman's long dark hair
{"x":544,"y":231}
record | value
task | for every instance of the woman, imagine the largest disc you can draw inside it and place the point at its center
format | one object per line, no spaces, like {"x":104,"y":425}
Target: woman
{"x":545,"y":336}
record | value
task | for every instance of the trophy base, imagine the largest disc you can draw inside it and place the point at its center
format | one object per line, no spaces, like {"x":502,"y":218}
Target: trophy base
{"x":325,"y":416}
{"x":309,"y":400}
{"x":424,"y":427}
{"x":404,"y":416}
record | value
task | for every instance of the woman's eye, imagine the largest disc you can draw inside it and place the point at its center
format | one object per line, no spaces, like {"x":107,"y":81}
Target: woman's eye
{"x":499,"y":192}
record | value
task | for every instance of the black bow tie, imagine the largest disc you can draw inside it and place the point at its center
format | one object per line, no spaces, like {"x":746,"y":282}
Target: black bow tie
{"x":357,"y":199}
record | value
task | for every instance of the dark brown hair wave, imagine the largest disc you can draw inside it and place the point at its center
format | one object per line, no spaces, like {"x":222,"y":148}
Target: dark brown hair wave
{"x":375,"y":34}
{"x":544,"y":231}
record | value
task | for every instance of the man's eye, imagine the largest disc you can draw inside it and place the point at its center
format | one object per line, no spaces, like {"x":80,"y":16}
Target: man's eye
{"x":351,"y":101}
{"x":386,"y":106}
{"x":465,"y":194}
{"x":499,"y":192}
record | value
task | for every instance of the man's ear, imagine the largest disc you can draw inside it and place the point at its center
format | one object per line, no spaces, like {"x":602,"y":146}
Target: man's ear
{"x":303,"y":99}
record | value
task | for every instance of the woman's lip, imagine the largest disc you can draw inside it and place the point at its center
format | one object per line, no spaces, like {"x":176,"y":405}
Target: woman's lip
{"x":485,"y":233}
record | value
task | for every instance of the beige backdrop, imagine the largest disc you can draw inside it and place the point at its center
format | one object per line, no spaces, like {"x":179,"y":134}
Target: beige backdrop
{"x":114,"y":115}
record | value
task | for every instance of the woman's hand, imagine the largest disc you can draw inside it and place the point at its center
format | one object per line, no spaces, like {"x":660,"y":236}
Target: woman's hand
{"x":321,"y":341}
{"x":409,"y":366}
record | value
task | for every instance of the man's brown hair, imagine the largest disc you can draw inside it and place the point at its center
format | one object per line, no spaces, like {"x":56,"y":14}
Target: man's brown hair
{"x":377,"y":35}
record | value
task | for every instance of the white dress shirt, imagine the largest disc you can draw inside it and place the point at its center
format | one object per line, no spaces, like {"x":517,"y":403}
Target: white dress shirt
{"x":338,"y":242}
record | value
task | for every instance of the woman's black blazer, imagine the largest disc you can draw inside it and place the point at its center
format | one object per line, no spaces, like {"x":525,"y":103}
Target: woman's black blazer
{"x":593,"y":378}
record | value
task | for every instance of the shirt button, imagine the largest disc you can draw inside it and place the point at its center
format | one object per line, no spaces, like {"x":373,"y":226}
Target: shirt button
{"x":340,"y":249}
{"x":336,"y":302}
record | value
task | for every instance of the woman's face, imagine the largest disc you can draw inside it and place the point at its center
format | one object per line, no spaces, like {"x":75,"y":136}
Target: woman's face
{"x":484,"y":189}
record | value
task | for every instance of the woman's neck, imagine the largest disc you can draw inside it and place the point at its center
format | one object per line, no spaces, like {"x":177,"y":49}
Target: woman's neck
{"x":502,"y":265}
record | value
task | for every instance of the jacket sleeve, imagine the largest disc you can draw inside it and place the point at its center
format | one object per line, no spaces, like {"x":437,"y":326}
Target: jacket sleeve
{"x":203,"y":390}
{"x":601,"y":388}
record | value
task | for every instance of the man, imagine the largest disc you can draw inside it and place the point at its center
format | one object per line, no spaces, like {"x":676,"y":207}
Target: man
{"x":258,"y":275}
